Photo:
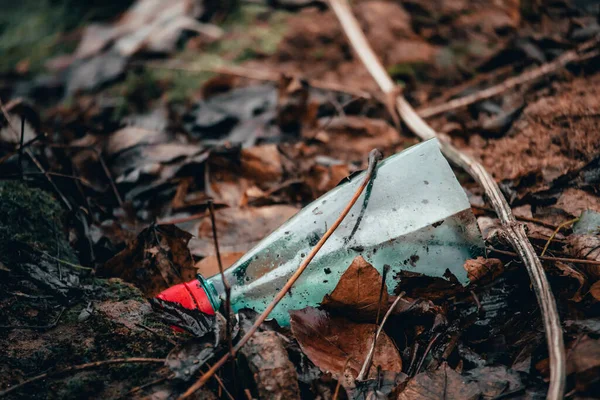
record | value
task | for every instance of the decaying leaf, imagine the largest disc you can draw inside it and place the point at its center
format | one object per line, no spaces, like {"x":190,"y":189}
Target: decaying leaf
{"x":480,"y":268}
{"x":156,"y":260}
{"x":443,"y":383}
{"x":330,"y":342}
{"x":586,"y":247}
{"x":239,"y":228}
{"x":192,"y":320}
{"x":274,"y":374}
{"x":187,"y":358}
{"x":595,"y":290}
{"x":357,"y":294}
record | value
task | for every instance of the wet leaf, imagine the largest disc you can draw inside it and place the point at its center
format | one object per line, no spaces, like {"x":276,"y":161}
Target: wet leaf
{"x":192,"y":320}
{"x":586,"y":247}
{"x":156,"y":260}
{"x":186,"y":359}
{"x":357,"y":294}
{"x":330,"y":342}
{"x":443,"y":383}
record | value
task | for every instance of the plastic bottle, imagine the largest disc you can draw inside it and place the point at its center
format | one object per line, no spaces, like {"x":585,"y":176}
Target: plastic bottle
{"x":413,"y":216}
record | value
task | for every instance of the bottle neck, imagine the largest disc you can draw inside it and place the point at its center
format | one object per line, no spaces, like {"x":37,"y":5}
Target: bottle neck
{"x":213,"y":292}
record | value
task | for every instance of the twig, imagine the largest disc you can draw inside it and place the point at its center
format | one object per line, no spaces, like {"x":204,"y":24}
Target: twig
{"x":374,"y":157}
{"x":35,"y":160}
{"x":144,"y":386}
{"x":26,"y":144}
{"x":386,"y":269}
{"x":22,"y":141}
{"x":558,"y":228}
{"x":520,"y":218}
{"x":513,"y":231}
{"x":336,"y":393}
{"x":81,"y":367}
{"x":527,"y":76}
{"x":364,"y":371}
{"x":548,"y":258}
{"x":427,"y":350}
{"x":226,"y":286}
{"x":263,"y":75}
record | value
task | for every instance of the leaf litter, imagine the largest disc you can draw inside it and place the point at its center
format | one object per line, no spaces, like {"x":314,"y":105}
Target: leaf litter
{"x":137,"y":169}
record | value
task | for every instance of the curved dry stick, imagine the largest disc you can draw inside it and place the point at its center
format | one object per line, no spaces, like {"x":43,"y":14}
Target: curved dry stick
{"x":374,"y":157}
{"x":513,"y":231}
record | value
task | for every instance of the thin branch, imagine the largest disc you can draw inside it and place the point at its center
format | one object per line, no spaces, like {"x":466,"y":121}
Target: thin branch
{"x":519,"y":218}
{"x":81,"y":367}
{"x":364,"y":371}
{"x":527,"y":76}
{"x":558,"y":228}
{"x":513,"y":231}
{"x":263,"y":75}
{"x":374,"y":157}
{"x":548,"y":258}
{"x":427,"y":350}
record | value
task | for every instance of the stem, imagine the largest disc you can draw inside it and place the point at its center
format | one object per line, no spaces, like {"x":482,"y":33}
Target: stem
{"x":513,"y":231}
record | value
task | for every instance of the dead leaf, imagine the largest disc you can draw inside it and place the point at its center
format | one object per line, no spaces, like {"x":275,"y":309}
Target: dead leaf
{"x":262,"y":164}
{"x":479,"y":268}
{"x":583,"y":360}
{"x":239,"y":229}
{"x":595,"y":290}
{"x":331,"y":341}
{"x":357,"y":292}
{"x":209,"y":266}
{"x":575,"y":201}
{"x":573,"y":273}
{"x":586,"y":247}
{"x":351,"y":137}
{"x":156,"y":260}
{"x":443,"y":383}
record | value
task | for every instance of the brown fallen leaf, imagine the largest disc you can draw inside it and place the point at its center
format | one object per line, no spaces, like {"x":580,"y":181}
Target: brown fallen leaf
{"x":595,"y":290}
{"x":209,"y":266}
{"x":443,"y":383}
{"x":587,"y":247}
{"x":262,"y":164}
{"x":239,"y":229}
{"x":583,"y":360}
{"x":479,"y":268}
{"x":357,"y":292}
{"x":156,"y":260}
{"x":330,"y":342}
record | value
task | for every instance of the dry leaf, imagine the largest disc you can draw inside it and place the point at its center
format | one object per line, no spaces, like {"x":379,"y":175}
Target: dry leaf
{"x":587,"y":247}
{"x":479,"y":268}
{"x":443,"y":383}
{"x":156,"y":260}
{"x":331,"y":341}
{"x":595,"y":290}
{"x":239,"y":229}
{"x":357,"y":292}
{"x":209,"y":266}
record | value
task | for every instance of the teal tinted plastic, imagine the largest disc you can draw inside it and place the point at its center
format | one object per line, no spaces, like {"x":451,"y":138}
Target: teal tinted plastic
{"x":414,"y":216}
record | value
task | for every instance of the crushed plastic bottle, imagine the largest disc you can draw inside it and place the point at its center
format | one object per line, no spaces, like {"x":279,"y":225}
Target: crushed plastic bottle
{"x":413,"y":216}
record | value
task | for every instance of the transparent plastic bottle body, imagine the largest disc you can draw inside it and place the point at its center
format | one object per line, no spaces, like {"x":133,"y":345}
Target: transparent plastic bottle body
{"x":413,"y":216}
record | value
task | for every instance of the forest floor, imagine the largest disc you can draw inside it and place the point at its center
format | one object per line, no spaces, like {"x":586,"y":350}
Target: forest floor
{"x":122,"y":121}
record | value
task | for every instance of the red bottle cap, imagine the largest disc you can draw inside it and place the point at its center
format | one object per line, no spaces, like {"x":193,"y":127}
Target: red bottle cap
{"x":190,"y":295}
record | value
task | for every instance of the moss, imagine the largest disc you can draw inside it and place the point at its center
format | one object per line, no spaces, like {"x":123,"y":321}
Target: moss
{"x":116,"y":289}
{"x":31,"y":216}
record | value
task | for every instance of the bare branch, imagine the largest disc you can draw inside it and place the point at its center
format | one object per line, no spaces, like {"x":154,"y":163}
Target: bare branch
{"x":513,"y":231}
